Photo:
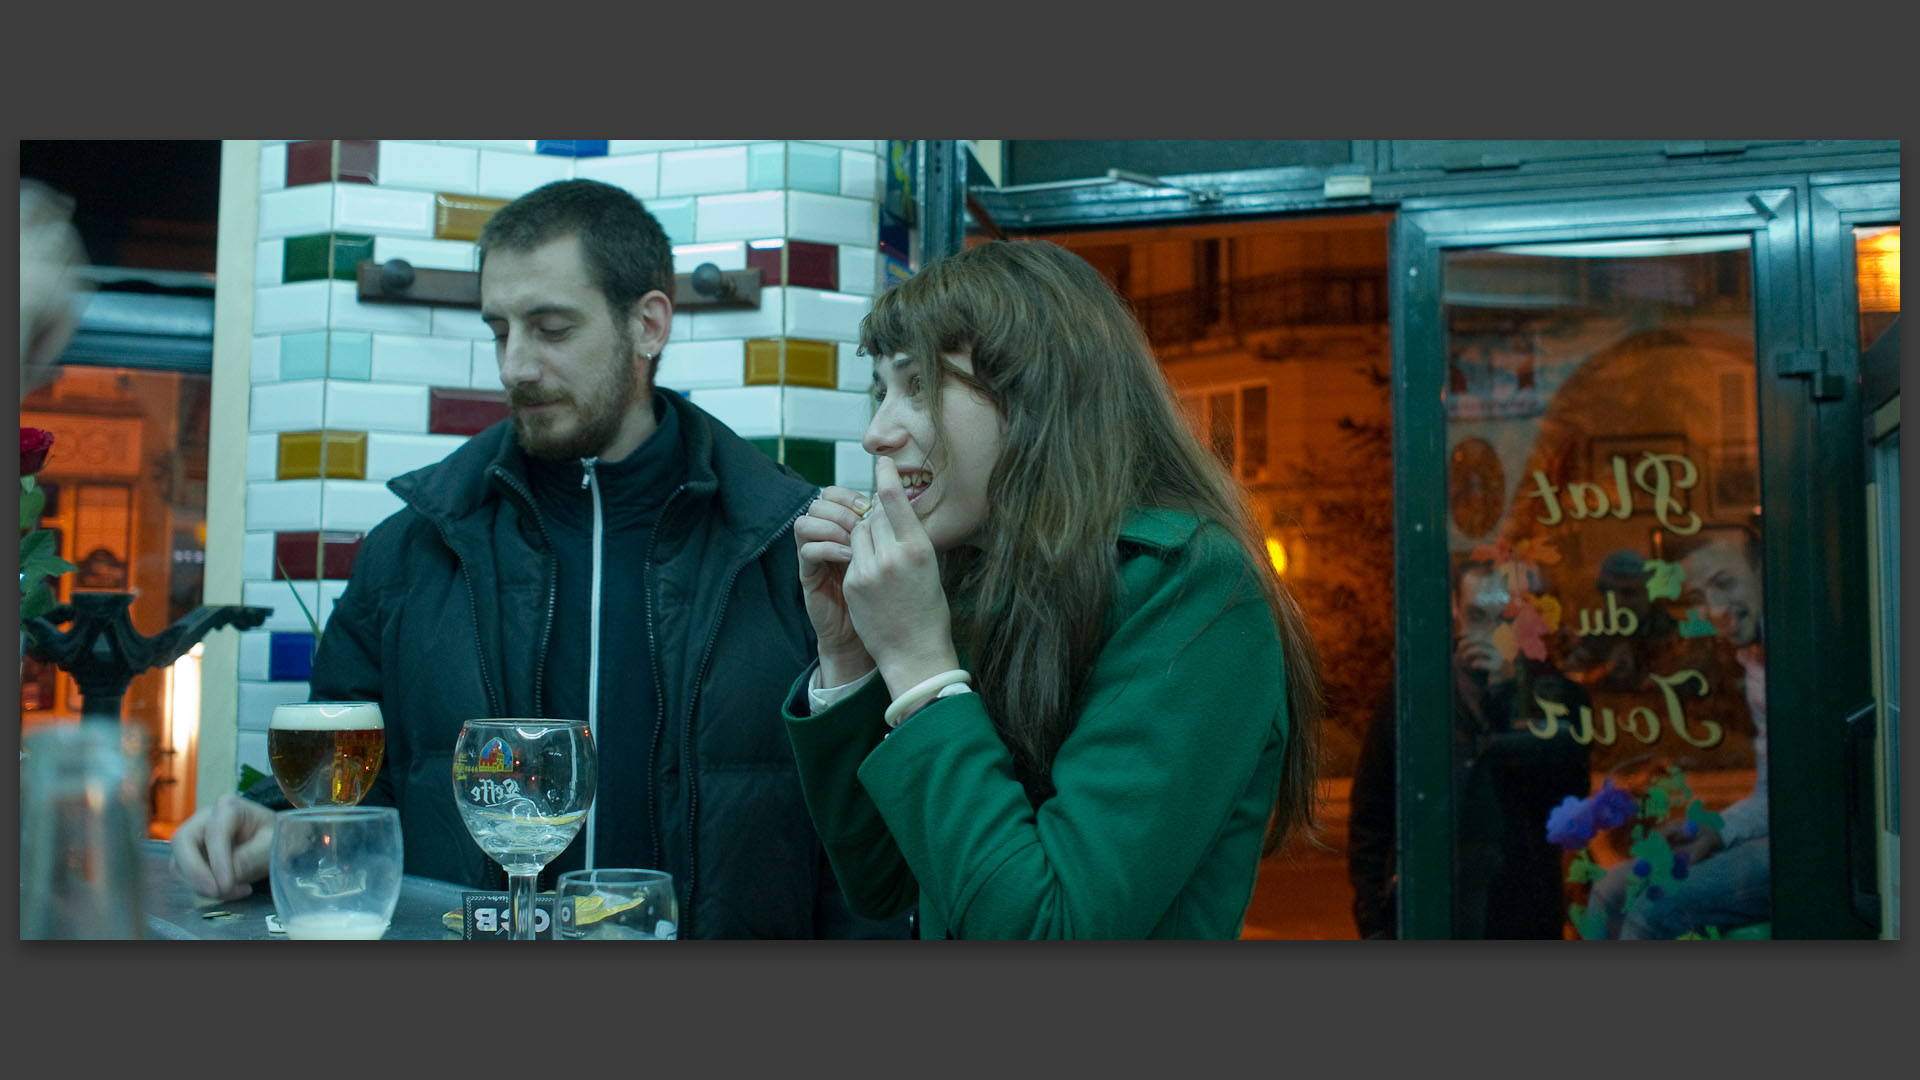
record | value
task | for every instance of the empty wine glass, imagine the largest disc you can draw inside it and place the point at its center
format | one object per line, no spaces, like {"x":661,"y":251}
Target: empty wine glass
{"x":523,"y":787}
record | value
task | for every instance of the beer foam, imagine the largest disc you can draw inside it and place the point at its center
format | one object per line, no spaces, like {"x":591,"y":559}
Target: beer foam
{"x":328,"y":716}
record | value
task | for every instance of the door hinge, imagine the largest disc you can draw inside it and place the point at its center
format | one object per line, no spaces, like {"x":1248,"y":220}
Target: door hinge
{"x":1811,"y":364}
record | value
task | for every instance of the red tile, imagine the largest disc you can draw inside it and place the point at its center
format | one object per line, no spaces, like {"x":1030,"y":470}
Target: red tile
{"x":809,"y":265}
{"x":464,"y":412}
{"x":304,"y":556}
{"x":309,"y":162}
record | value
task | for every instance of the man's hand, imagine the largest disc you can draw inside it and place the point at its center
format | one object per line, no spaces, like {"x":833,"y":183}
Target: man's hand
{"x":222,"y":850}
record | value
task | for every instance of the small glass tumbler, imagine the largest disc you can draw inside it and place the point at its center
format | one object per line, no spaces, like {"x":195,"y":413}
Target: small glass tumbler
{"x":336,"y":871}
{"x":612,"y":904}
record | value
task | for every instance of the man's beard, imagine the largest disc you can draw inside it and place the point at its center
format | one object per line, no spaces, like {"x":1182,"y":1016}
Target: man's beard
{"x":597,"y":411}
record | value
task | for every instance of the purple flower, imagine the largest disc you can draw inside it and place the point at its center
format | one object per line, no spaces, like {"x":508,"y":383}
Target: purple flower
{"x":1690,"y":830}
{"x":1680,"y":866}
{"x":1612,"y":807}
{"x":1571,"y":824}
{"x":1642,"y":868}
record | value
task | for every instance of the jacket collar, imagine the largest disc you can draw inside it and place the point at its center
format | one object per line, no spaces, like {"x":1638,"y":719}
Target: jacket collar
{"x":754,"y":496}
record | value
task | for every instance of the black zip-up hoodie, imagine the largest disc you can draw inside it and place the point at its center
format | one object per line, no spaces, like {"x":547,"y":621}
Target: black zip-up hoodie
{"x":447,"y":617}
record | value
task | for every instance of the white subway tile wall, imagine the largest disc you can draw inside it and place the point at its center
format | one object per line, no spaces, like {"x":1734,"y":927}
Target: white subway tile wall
{"x":429,"y":167}
{"x":703,"y":172}
{"x":506,"y":175}
{"x":703,"y":365}
{"x":852,"y":466}
{"x":389,"y":454}
{"x":711,"y":196}
{"x":812,"y":413}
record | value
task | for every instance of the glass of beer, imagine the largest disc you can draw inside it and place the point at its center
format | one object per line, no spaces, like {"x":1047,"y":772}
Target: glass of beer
{"x":326,"y":753}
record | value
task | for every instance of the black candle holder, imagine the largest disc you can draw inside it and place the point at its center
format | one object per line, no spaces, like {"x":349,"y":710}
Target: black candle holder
{"x":103,"y":652}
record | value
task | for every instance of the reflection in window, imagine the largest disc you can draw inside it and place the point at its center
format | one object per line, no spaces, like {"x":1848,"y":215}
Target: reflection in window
{"x":126,"y":495}
{"x":1610,"y":762}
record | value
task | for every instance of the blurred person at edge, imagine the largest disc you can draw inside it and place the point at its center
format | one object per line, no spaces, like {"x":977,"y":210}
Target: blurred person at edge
{"x":476,"y":599}
{"x":1507,"y":879}
{"x":1140,"y":721}
{"x":50,"y":284}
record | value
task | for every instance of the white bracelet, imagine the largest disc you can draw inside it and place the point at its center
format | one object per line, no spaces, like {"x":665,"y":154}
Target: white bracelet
{"x":913,"y":699}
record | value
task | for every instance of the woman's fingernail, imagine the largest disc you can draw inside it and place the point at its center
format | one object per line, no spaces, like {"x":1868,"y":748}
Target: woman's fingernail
{"x":862,"y":504}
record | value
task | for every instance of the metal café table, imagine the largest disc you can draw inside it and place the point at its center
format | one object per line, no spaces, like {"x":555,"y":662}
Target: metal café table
{"x":175,"y":913}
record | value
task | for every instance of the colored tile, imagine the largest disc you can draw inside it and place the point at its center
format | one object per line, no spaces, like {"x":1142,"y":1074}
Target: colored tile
{"x":308,"y":455}
{"x":309,"y":161}
{"x":461,"y":217}
{"x":572,"y":147}
{"x":810,"y":265}
{"x":896,"y":271}
{"x":809,"y":363}
{"x":305,"y":556}
{"x":769,"y":447}
{"x":675,"y":217}
{"x":324,"y":255}
{"x":314,"y":161}
{"x":811,"y":458}
{"x":350,"y":355}
{"x":811,"y":167}
{"x":304,"y":356}
{"x":290,"y":656}
{"x":464,"y":412}
{"x":766,"y":166}
{"x":359,"y":161}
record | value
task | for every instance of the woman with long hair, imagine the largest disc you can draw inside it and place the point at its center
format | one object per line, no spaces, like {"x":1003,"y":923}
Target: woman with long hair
{"x":1061,"y":692}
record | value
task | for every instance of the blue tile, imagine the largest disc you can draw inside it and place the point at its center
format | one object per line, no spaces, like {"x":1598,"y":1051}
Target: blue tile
{"x":893,"y":236}
{"x":290,"y":657}
{"x":572,"y":147}
{"x":303,"y":356}
{"x":675,"y":217}
{"x":351,"y":355}
{"x":813,"y":168}
{"x":766,"y":166}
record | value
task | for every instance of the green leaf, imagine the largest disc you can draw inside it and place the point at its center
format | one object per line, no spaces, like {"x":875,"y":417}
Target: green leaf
{"x":35,"y":601}
{"x":39,"y":557}
{"x":32,"y":498}
{"x":311,"y":621}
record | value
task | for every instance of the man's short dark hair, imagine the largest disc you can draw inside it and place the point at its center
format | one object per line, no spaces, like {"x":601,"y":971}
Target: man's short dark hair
{"x":627,"y":252}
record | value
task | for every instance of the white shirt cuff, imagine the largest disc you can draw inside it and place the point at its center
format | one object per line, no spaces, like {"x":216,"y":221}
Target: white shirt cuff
{"x":823,"y":697}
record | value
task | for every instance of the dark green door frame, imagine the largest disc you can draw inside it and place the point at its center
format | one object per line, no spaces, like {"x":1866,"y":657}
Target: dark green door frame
{"x":1815,"y":584}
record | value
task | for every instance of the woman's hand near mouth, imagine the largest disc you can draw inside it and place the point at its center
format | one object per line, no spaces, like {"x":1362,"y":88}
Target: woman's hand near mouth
{"x":892,"y":590}
{"x":822,"y":536}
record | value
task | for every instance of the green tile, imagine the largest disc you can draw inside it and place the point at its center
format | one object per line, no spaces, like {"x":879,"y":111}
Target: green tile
{"x":813,"y":168}
{"x":306,"y":257}
{"x":675,"y":217}
{"x":304,"y":356}
{"x":766,"y":166}
{"x":348,"y":251}
{"x":350,"y":355}
{"x":811,"y":458}
{"x":769,"y":447}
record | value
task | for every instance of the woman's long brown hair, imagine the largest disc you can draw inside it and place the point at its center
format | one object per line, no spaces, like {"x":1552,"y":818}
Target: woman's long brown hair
{"x":1093,"y":434}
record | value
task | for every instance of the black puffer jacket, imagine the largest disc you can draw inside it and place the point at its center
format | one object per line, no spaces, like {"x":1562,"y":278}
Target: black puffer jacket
{"x":447,"y":616}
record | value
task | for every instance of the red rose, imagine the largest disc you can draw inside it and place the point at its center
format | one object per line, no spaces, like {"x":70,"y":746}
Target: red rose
{"x":34,"y":444}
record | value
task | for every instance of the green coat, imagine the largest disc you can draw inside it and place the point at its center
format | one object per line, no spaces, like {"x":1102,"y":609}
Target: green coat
{"x":1163,"y":790}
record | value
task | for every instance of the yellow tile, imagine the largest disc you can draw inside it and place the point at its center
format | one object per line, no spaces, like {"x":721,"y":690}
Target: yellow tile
{"x":461,"y":217}
{"x":312,"y":455}
{"x":809,"y":363}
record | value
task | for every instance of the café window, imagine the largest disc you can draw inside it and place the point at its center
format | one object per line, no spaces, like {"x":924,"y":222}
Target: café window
{"x":126,"y":497}
{"x":1605,"y":531}
{"x":1232,"y":421}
